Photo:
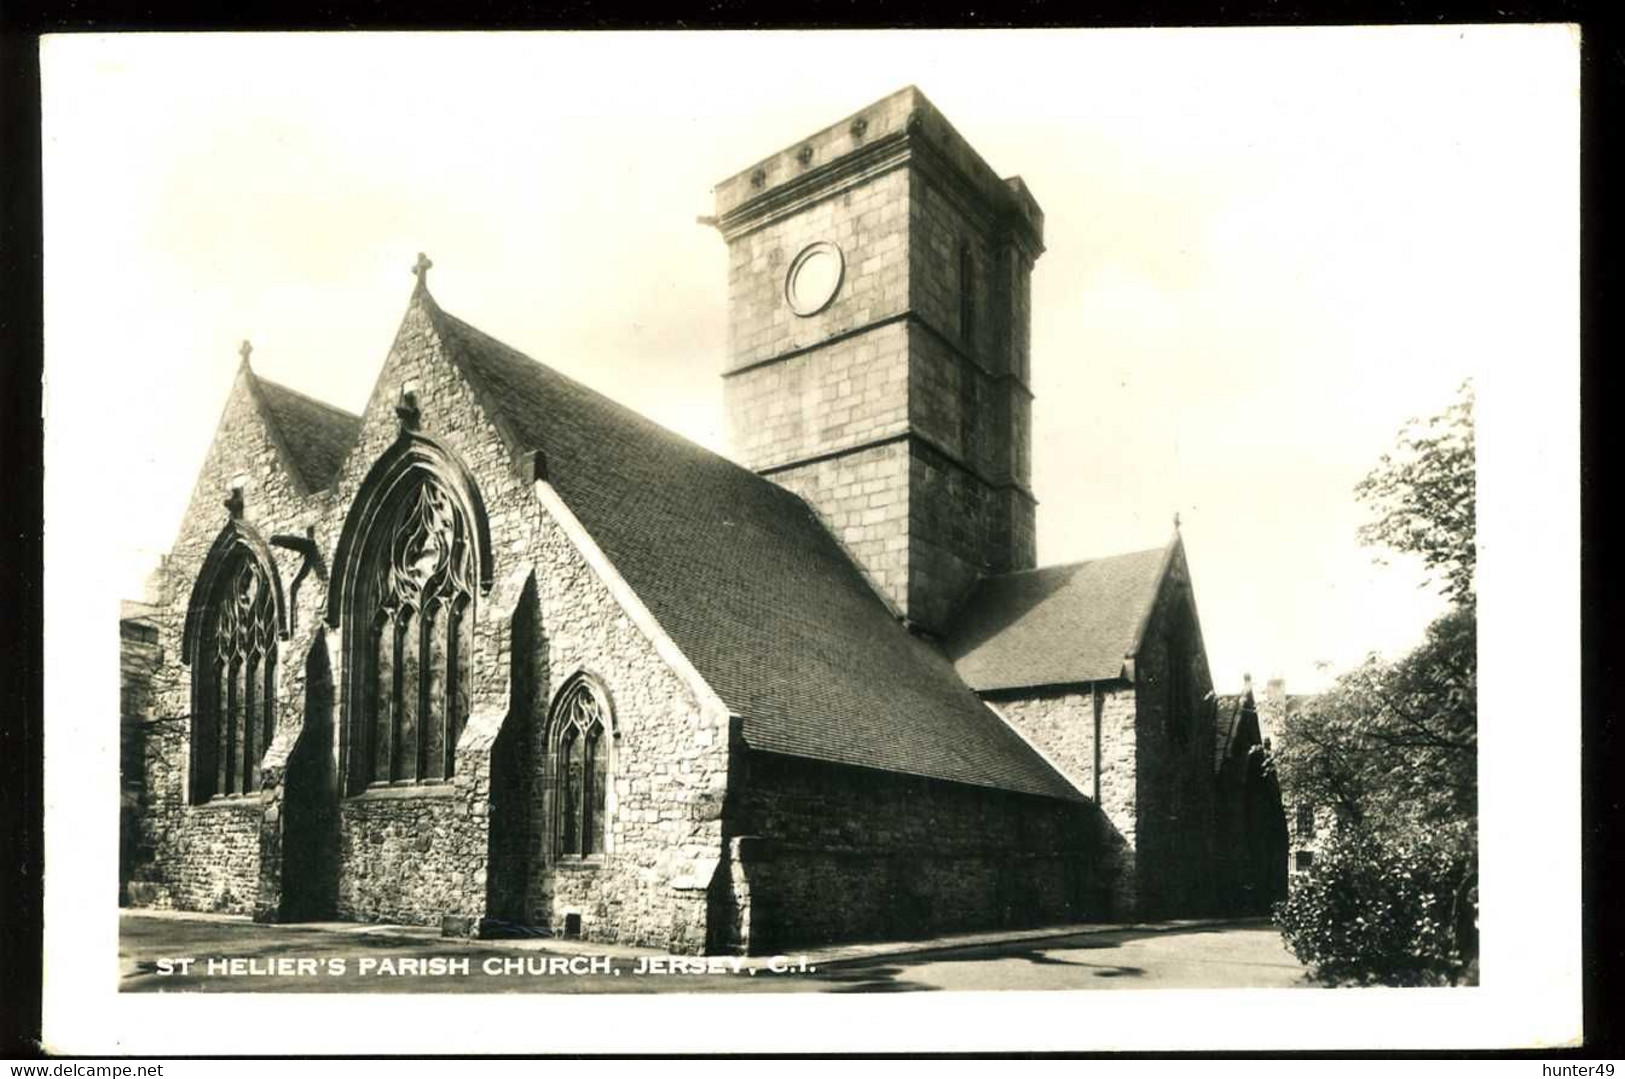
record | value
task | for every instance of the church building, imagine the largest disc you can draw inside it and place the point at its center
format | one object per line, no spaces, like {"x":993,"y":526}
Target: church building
{"x":500,"y":655}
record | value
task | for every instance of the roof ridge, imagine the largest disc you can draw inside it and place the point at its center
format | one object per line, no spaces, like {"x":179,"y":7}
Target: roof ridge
{"x":1076,"y":564}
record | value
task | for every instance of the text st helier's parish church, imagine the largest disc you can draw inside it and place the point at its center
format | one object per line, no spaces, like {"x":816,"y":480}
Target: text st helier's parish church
{"x":500,"y":652}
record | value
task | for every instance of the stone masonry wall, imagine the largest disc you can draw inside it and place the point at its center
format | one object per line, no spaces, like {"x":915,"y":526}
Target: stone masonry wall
{"x":971,"y":390}
{"x":1060,"y":721}
{"x":823,"y":852}
{"x":959,"y":530}
{"x":846,"y":394}
{"x":957,"y":407}
{"x":862,"y":498}
{"x":668,"y":769}
{"x":869,"y":223}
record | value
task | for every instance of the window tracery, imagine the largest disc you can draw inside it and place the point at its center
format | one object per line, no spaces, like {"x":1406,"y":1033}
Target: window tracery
{"x":416,"y":618}
{"x":580,"y":752}
{"x":234,"y":677}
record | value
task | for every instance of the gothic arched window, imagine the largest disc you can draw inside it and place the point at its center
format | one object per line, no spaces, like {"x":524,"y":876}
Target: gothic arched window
{"x":231,"y":643}
{"x":579,"y":733}
{"x":414,"y":545}
{"x":411,"y":635}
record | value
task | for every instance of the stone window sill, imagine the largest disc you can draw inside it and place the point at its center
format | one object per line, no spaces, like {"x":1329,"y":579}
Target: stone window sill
{"x":231,"y":801}
{"x":405,"y":790}
{"x":575,"y":863}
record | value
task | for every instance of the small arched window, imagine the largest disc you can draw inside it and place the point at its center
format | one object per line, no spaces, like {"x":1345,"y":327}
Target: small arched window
{"x":232,"y":644}
{"x":579,"y":733}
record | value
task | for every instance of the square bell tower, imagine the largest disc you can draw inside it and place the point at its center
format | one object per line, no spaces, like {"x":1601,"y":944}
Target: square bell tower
{"x":879,"y":322}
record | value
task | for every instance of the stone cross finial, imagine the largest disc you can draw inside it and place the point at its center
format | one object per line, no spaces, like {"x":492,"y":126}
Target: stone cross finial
{"x":1176,"y":520}
{"x":234,"y":502}
{"x":245,"y":350}
{"x":421,"y":270}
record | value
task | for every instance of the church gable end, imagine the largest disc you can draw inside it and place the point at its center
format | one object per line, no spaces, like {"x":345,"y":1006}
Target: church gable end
{"x":1175,"y":713}
{"x":233,"y":612}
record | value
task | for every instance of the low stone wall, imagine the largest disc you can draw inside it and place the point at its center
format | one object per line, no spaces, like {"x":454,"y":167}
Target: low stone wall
{"x":837,"y":853}
{"x":807,"y":896}
{"x":203,"y":857}
{"x":411,"y":860}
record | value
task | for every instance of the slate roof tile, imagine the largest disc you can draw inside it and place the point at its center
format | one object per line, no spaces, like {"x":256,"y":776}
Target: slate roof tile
{"x":315,"y":435}
{"x":1055,"y":625}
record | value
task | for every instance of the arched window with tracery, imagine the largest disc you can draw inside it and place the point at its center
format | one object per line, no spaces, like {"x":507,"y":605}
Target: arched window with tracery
{"x":417,"y":601}
{"x":230,"y":641}
{"x":580,"y":729}
{"x":413,"y":555}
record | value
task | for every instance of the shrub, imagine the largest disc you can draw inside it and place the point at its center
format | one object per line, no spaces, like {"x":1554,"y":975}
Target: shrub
{"x":1384,"y":910}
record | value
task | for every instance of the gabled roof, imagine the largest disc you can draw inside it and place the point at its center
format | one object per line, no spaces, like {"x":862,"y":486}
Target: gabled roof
{"x":314,"y":436}
{"x":748,"y":584}
{"x":1057,"y":625}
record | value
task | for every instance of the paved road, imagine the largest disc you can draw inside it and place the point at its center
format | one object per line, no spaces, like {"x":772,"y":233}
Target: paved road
{"x":379,"y":959}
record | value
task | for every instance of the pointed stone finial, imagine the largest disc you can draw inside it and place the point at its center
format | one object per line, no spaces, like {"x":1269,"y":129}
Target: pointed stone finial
{"x":421,"y":269}
{"x":245,"y":350}
{"x":1176,"y":520}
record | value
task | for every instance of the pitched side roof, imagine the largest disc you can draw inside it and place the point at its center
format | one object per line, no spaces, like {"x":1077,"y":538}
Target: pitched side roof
{"x":1056,"y":625}
{"x":749,"y":585}
{"x":314,"y":435}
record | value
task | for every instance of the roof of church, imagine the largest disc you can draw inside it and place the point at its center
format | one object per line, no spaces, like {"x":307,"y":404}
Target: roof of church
{"x":1059,"y":624}
{"x":314,"y":435}
{"x":750,"y":586}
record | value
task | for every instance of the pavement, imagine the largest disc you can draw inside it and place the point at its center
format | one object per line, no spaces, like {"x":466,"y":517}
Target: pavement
{"x":234,"y":954}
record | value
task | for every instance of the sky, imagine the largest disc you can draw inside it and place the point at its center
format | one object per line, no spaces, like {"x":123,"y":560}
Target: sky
{"x":1266,"y":251}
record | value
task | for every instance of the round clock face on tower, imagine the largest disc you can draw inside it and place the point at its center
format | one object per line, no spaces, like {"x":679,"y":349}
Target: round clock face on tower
{"x":814,"y":278}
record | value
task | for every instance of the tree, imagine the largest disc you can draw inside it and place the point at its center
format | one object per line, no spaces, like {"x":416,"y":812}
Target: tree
{"x":1393,"y":744}
{"x":1424,"y":496}
{"x":1393,"y":747}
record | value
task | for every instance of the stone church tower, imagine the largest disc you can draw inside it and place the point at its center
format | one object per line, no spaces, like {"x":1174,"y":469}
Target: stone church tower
{"x":879,"y":315}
